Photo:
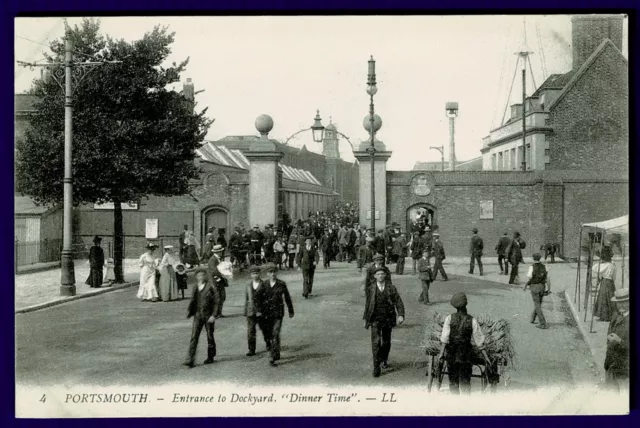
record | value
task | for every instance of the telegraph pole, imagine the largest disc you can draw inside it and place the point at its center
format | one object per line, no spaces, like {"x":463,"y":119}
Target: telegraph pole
{"x":441,"y":150}
{"x":67,"y":276}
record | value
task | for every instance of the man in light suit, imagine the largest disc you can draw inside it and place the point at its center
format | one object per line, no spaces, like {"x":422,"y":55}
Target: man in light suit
{"x":308,"y":260}
{"x":202,"y":307}
{"x":383,"y":304}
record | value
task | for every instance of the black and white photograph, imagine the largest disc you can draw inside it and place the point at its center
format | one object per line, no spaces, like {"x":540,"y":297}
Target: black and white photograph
{"x":371,"y":215}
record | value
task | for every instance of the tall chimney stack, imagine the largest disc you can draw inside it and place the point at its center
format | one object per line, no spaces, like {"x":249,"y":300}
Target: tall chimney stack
{"x":188,"y":90}
{"x":589,"y":31}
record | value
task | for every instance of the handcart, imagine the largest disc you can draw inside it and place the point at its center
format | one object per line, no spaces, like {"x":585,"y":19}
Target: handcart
{"x":489,"y":376}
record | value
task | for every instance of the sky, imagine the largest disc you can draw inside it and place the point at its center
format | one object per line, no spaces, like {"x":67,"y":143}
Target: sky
{"x":289,"y":67}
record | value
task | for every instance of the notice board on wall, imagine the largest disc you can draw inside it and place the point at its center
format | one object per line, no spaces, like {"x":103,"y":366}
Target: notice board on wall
{"x":151,"y":228}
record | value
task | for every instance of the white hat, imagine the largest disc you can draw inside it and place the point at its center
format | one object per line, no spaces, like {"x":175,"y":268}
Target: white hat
{"x":621,"y":295}
{"x":168,"y":247}
{"x":217,"y":248}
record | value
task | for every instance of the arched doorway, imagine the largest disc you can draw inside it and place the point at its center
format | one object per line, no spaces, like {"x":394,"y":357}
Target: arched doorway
{"x":418,"y":209}
{"x":216,"y":217}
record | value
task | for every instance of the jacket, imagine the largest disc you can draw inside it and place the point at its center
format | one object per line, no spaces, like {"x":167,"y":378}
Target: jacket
{"x":514,"y":252}
{"x":204,"y":303}
{"x":273,"y":307}
{"x":438,"y":250}
{"x":390,"y":292}
{"x":424,"y":269}
{"x":477,"y":245}
{"x":400,"y":246}
{"x":305,"y":258}
{"x":617,"y":357}
{"x":503,"y":244}
{"x":254,"y":299}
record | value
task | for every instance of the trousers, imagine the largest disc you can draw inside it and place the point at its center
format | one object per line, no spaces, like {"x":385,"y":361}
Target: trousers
{"x":537,"y":293}
{"x":252,"y":322}
{"x":400,"y":264}
{"x":307,"y":280}
{"x":474,"y":258}
{"x":274,"y":325}
{"x":380,"y":342}
{"x":199,"y":322}
{"x":502,"y":258}
{"x":514,"y":273}
{"x":459,"y":377}
{"x":223,"y":296}
{"x":437,"y":267}
{"x":424,"y":295}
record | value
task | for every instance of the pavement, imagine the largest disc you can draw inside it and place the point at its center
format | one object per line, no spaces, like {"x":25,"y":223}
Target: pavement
{"x":116,"y":339}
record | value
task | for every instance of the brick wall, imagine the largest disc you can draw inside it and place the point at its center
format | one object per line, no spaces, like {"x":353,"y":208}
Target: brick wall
{"x":553,"y":193}
{"x":590,"y":122}
{"x":455,"y":198}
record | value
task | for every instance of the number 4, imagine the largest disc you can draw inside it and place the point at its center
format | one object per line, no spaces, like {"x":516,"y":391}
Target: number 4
{"x":44,"y":398}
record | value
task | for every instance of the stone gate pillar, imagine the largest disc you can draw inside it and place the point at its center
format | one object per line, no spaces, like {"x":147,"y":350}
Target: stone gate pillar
{"x":264,"y":186}
{"x":380,"y":179}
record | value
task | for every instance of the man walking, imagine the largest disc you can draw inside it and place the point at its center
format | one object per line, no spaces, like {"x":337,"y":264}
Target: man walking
{"x":539,"y":283}
{"x":216,"y":279}
{"x":326,"y":244}
{"x":383,"y":305}
{"x":378,"y":262}
{"x":202,"y":307}
{"x":276,"y":296}
{"x":254,"y":297}
{"x":308,"y":259}
{"x":501,"y":249}
{"x":475,"y":251}
{"x":438,"y":253}
{"x":400,"y":252}
{"x":514,"y":254}
{"x":416,"y":247}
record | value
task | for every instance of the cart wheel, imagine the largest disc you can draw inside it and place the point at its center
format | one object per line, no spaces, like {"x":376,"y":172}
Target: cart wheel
{"x":430,"y":370}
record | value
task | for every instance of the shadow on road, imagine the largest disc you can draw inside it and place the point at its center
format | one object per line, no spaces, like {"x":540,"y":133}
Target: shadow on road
{"x":304,"y":357}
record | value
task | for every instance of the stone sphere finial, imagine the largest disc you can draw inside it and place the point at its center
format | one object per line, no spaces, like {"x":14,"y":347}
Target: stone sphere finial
{"x":264,"y":124}
{"x":377,"y":123}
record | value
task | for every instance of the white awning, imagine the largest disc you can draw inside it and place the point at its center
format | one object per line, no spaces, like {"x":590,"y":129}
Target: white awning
{"x":614,"y":225}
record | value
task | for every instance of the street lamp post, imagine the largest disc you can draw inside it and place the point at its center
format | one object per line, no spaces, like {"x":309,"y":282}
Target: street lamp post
{"x":371,"y":90}
{"x":441,"y":150}
{"x":452,"y":112}
{"x":317,"y":129}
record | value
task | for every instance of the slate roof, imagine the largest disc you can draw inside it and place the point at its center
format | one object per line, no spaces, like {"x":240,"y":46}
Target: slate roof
{"x":223,"y":155}
{"x":24,"y":205}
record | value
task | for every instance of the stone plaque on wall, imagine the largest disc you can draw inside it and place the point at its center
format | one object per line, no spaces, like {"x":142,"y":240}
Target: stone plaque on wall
{"x":151,"y":228}
{"x":486,"y":210}
{"x":422,"y":184}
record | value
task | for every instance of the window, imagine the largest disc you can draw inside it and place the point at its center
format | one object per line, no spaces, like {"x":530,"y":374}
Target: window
{"x":514,"y":161}
{"x":493,"y":162}
{"x":546,"y":165}
{"x":547,"y":121}
{"x":500,"y":161}
{"x":547,"y":152}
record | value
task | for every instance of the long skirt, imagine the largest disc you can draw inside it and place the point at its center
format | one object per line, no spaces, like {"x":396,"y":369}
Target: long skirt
{"x":191,"y":256}
{"x":147,"y":288}
{"x":605,"y":308}
{"x":95,"y":277}
{"x":168,"y":284}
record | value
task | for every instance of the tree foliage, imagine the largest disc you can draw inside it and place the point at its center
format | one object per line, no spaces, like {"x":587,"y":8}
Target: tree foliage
{"x":132,"y":135}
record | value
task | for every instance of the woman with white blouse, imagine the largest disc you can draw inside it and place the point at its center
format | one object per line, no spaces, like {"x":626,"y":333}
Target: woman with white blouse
{"x":148,"y":264}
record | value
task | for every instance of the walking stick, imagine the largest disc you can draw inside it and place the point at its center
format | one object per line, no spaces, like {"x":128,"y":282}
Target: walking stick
{"x":587,"y":294}
{"x":576,"y":294}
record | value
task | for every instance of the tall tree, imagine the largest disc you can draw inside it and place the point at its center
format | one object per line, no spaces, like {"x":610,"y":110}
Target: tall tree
{"x":133,"y":136}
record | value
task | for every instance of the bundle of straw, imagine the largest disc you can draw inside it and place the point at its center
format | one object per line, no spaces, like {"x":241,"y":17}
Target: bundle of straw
{"x":498,"y":342}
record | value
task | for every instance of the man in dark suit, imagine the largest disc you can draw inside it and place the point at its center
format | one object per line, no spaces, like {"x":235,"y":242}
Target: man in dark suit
{"x":254,"y":297}
{"x":326,"y":244}
{"x":514,"y":254}
{"x":438,"y":253}
{"x":308,"y":260}
{"x":216,"y":278}
{"x":378,"y":261}
{"x":383,"y":305}
{"x":202,"y":307}
{"x":181,"y":245}
{"x":501,"y":249}
{"x":275,"y":297}
{"x":475,"y":250}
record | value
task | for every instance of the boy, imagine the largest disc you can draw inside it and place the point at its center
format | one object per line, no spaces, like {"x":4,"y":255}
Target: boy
{"x":202,"y":307}
{"x":253,"y":304}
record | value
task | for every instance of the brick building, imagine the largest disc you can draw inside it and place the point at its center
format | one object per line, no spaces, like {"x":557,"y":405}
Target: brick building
{"x":576,"y":120}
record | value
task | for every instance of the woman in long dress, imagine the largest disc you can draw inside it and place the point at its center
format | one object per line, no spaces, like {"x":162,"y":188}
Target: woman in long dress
{"x":192,"y":247}
{"x":168,"y":281}
{"x":605,"y":272}
{"x":147,"y":290}
{"x":96,"y":263}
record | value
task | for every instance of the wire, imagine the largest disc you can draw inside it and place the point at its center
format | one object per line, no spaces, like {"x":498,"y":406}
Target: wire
{"x":498,"y":89}
{"x":542,"y":57}
{"x":43,"y":44}
{"x":535,"y":88}
{"x":515,"y":72}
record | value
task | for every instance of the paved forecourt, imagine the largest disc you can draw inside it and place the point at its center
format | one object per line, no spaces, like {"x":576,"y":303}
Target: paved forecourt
{"x":114,"y":339}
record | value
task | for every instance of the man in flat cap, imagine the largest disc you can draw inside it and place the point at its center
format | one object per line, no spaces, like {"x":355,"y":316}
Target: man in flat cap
{"x":539,"y":282}
{"x":383,"y":310}
{"x":308,"y":259}
{"x":438,"y":253}
{"x":276,"y":296}
{"x":326,"y":245}
{"x":460,"y":333}
{"x":202,"y":307}
{"x":475,"y":250}
{"x":254,"y":301}
{"x":378,"y":262}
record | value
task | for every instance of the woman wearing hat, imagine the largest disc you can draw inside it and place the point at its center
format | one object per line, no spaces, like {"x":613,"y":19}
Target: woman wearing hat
{"x":605,"y":273}
{"x":460,"y":333}
{"x":147,"y":289}
{"x":191,"y":249}
{"x":168,"y":282}
{"x":616,"y":362}
{"x":96,"y":263}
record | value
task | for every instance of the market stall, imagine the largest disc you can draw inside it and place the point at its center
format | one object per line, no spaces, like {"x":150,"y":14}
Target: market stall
{"x":613,"y":233}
